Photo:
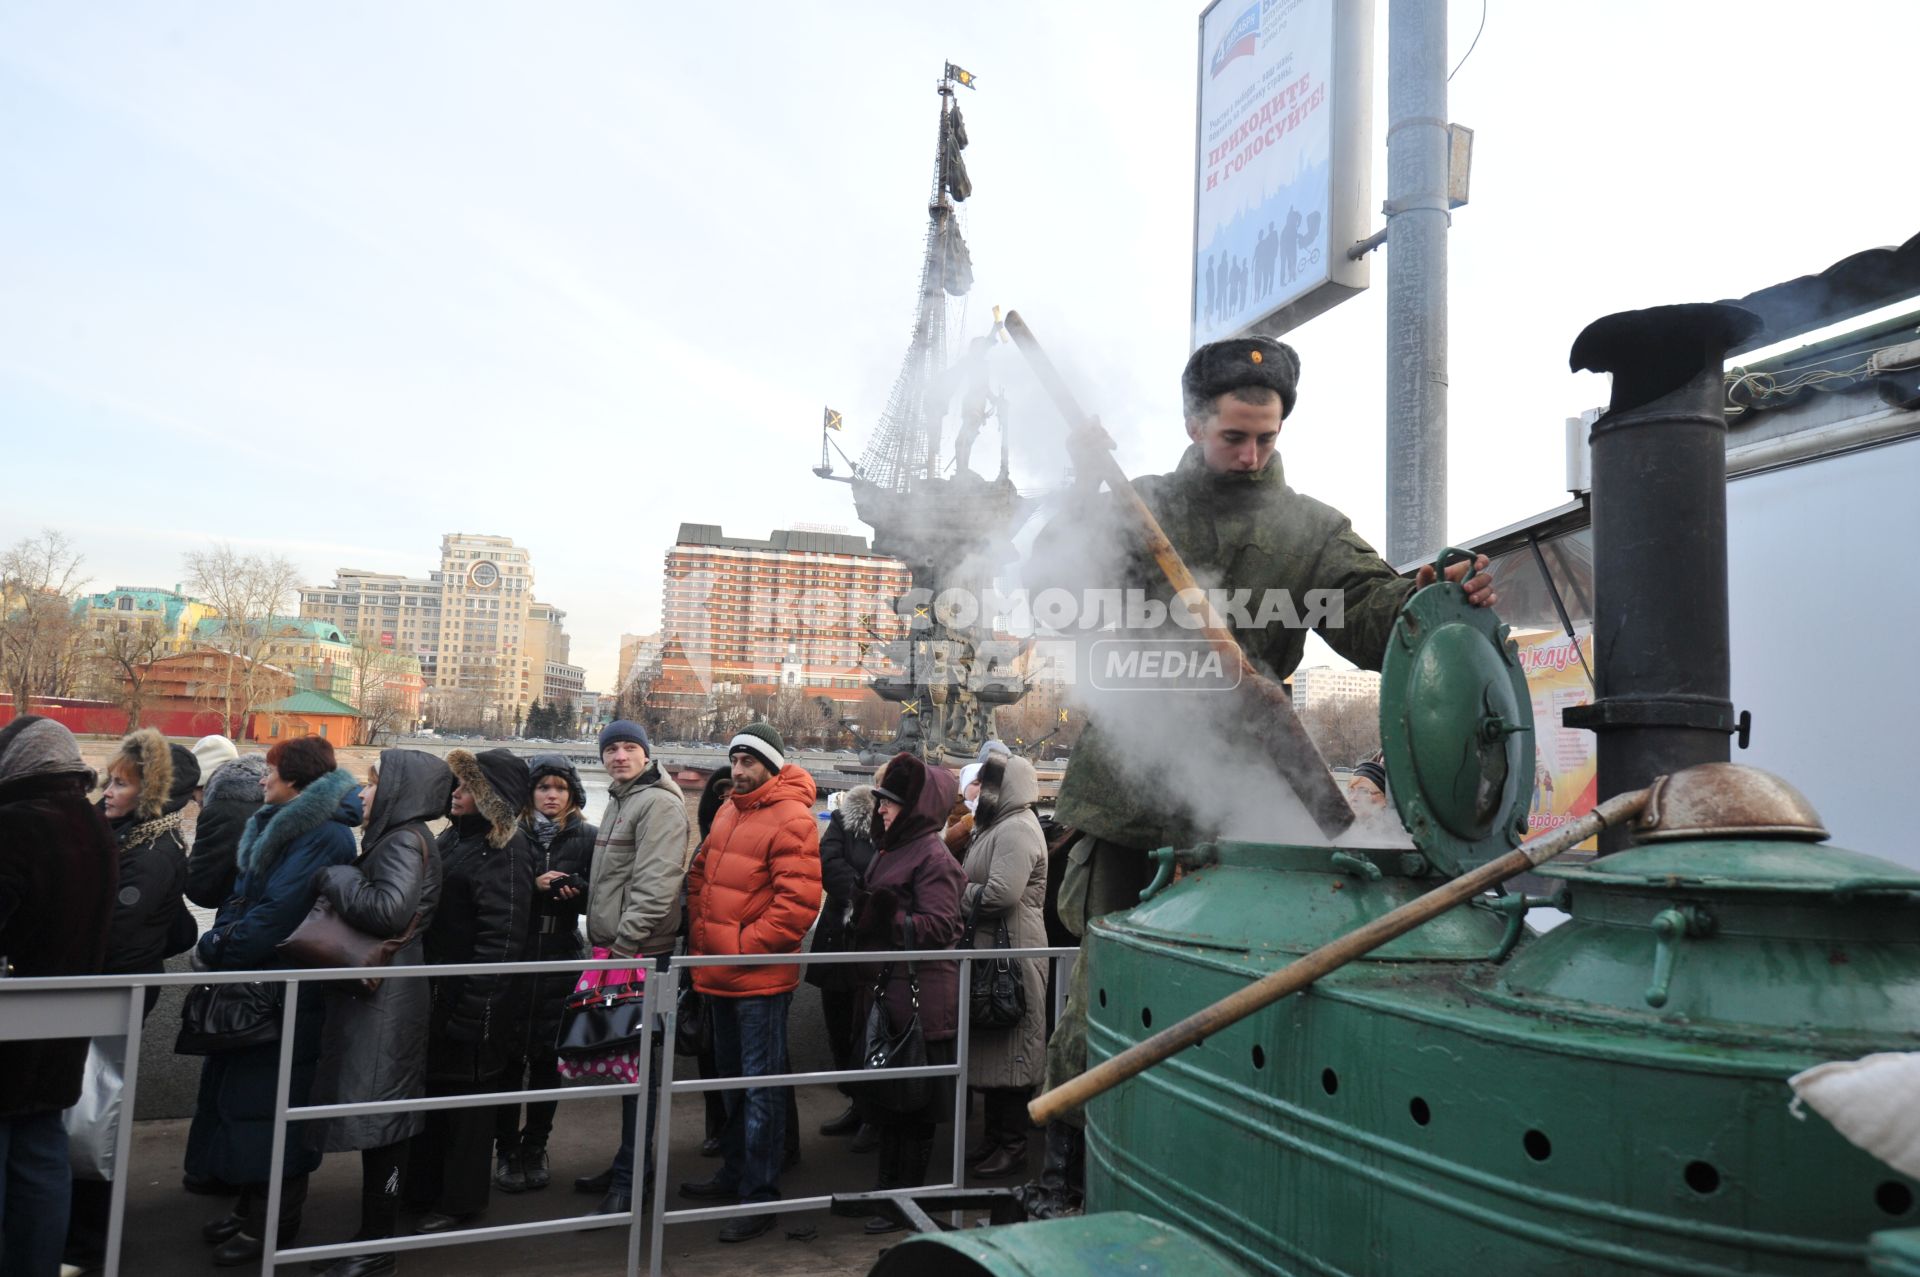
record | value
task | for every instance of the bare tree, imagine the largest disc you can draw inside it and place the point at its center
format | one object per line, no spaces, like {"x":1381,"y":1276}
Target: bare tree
{"x":377,"y":690}
{"x":1346,"y":730}
{"x":123,"y":663}
{"x":39,"y":634}
{"x":247,"y":590}
{"x":793,"y":715}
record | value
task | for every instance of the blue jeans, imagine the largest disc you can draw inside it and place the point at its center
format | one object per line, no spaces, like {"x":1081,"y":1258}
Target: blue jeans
{"x":35,"y":1189}
{"x":629,"y":1105}
{"x":750,"y":1040}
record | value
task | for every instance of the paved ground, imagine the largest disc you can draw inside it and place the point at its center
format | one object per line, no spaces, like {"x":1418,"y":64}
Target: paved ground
{"x":163,"y":1221}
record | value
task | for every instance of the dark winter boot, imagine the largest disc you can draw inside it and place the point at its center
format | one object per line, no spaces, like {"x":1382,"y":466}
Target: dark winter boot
{"x":533,"y":1167}
{"x":1004,"y":1160}
{"x":846,"y":1124}
{"x":507,"y":1175}
{"x":1060,"y":1190}
{"x":910,"y":1169}
{"x":887,"y":1176}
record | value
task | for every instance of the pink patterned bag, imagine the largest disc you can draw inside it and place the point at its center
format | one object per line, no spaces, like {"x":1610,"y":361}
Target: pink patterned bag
{"x":614,"y":1066}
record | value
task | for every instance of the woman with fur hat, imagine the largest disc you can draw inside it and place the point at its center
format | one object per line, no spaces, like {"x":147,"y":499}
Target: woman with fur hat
{"x":148,"y":784}
{"x":485,"y":915}
{"x":1006,"y":870}
{"x":562,"y":842}
{"x":306,"y":826}
{"x":375,"y":1044}
{"x":912,"y":901}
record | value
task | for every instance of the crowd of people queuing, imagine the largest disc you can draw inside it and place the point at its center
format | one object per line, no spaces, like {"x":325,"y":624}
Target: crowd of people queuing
{"x":96,"y":873}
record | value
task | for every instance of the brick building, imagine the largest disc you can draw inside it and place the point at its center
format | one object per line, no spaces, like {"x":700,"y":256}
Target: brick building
{"x":792,"y":610}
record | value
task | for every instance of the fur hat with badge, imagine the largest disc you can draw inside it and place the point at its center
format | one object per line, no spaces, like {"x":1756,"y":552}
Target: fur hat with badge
{"x":500,"y":786}
{"x":1222,"y":366}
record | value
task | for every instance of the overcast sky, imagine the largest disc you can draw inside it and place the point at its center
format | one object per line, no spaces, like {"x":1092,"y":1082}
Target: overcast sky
{"x":333,"y":279}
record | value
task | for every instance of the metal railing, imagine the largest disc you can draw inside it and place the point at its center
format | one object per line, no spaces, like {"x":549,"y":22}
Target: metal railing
{"x":49,"y":1007}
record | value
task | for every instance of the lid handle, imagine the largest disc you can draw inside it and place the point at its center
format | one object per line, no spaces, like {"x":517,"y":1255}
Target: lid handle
{"x":1448,"y":557}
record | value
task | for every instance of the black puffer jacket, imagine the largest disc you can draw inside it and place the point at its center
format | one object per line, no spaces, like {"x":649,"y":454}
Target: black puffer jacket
{"x":846,"y":849}
{"x":375,"y":1046}
{"x":556,"y":929}
{"x":485,"y":915}
{"x":150,"y":920}
{"x":556,"y":922}
{"x":231,"y":795}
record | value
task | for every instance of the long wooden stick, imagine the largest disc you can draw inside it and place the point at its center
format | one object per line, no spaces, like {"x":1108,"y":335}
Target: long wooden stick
{"x":1272,"y":719}
{"x":1330,"y":957}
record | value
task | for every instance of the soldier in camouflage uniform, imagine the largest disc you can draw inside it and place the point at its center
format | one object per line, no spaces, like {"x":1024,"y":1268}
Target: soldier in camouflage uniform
{"x":1228,"y":510}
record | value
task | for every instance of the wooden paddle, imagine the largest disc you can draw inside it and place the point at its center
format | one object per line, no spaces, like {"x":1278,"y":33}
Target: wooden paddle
{"x":1330,"y":957}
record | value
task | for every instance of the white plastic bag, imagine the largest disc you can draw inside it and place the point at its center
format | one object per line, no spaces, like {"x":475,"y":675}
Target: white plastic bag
{"x":1873,"y":1101}
{"x":93,"y":1124}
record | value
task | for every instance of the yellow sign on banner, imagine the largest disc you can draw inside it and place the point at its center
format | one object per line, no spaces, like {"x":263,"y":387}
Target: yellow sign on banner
{"x":1564,"y":776}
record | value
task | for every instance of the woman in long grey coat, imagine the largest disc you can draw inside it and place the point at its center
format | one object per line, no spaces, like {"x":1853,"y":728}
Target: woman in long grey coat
{"x":375,"y":1045}
{"x":1006,"y":870}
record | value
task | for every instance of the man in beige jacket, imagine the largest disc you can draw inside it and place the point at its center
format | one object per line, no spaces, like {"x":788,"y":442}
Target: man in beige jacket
{"x":633,"y":906}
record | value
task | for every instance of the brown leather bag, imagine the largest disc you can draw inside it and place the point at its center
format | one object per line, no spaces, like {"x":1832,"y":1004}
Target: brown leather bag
{"x":325,"y":939}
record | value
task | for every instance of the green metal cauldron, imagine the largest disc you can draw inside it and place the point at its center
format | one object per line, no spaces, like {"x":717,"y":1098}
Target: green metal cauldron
{"x":1607,"y":1096}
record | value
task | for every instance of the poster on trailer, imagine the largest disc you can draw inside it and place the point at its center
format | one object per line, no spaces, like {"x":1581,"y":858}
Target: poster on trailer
{"x":1565,"y":779}
{"x":1282,"y":168}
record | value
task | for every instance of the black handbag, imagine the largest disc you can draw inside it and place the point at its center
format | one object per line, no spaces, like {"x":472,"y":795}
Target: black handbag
{"x":600,"y":1021}
{"x":692,"y":1026}
{"x":883,"y":1048}
{"x":229,"y":1017}
{"x":997,"y":998}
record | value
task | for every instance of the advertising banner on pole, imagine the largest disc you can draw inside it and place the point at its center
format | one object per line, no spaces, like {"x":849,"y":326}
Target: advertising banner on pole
{"x":1282,"y":174}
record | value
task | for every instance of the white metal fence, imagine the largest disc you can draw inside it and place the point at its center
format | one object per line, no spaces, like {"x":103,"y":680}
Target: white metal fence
{"x":110,"y":1006}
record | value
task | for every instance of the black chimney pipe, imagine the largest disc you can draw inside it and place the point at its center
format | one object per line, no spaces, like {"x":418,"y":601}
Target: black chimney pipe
{"x":1661,"y":667}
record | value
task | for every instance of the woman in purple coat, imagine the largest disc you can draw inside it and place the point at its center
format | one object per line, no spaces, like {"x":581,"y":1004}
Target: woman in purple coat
{"x":912,"y":901}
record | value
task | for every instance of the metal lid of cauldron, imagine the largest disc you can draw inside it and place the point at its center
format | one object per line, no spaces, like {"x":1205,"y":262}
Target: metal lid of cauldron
{"x":1454,"y":704}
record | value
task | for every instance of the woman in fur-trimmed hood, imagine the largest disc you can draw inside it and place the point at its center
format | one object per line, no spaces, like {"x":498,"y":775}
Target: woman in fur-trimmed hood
{"x":148,"y":783}
{"x":305,"y":827}
{"x":485,"y":915}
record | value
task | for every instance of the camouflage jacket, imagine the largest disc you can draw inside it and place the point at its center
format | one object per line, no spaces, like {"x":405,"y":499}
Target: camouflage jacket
{"x":1236,"y":533}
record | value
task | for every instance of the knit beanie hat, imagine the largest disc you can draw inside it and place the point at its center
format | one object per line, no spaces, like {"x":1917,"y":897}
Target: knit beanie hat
{"x":210,"y":752}
{"x":760,"y":740}
{"x":624,"y":729}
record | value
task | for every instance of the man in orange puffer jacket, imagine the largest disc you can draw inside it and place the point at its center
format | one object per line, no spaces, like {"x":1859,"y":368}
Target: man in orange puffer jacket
{"x":754,"y":887}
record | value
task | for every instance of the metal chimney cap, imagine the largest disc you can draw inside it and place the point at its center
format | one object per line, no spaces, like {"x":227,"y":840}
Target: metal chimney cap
{"x":1726,"y":800}
{"x":1656,"y":351}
